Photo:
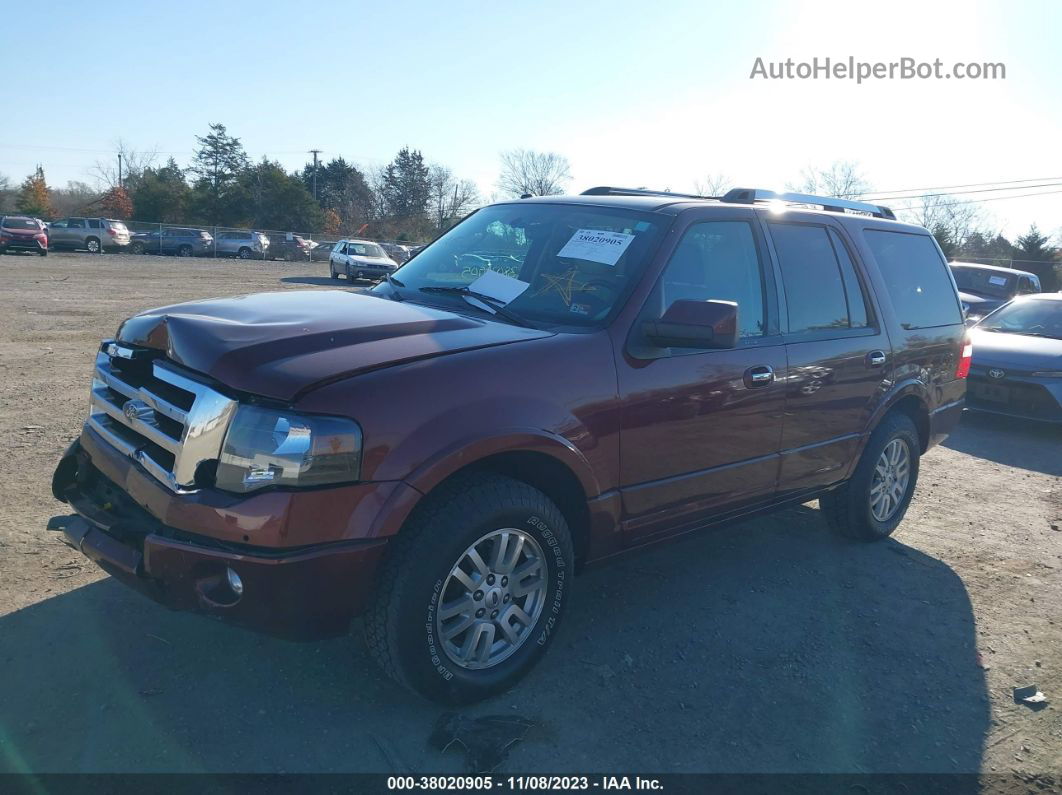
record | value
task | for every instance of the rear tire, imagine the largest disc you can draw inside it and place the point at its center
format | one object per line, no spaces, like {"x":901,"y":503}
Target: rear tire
{"x":406,"y":628}
{"x":871,"y":505}
{"x":43,"y":252}
{"x":137,"y":248}
{"x":93,"y":245}
{"x":184,"y":251}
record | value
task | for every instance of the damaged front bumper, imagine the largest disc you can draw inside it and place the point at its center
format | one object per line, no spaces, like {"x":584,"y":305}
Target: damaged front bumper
{"x":306,"y":592}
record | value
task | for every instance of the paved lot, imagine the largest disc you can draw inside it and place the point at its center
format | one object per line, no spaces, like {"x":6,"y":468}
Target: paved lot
{"x":767,"y":646}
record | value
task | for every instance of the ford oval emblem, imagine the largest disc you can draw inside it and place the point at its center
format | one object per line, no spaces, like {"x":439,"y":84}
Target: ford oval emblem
{"x":995,"y":372}
{"x":136,"y":410}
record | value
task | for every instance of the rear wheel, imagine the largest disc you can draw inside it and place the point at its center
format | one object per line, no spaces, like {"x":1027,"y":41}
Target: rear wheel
{"x":93,"y":245}
{"x":184,"y":251}
{"x":43,"y":252}
{"x":136,"y":247}
{"x":473,"y":589}
{"x":871,"y":505}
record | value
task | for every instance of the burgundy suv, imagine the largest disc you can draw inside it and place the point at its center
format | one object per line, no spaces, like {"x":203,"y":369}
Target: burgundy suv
{"x":22,"y":233}
{"x":551,"y":382}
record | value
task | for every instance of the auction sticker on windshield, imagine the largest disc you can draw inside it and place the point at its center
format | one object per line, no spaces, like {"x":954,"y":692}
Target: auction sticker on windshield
{"x":999,"y":281}
{"x":596,"y":246}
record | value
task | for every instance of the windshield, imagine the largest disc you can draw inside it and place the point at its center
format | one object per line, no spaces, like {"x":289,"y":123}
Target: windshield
{"x":1038,"y":318}
{"x":984,"y":281}
{"x":365,"y":250}
{"x":568,"y":265}
{"x":20,"y":223}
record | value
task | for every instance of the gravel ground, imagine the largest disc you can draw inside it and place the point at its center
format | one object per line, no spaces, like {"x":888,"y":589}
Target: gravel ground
{"x":763,"y":647}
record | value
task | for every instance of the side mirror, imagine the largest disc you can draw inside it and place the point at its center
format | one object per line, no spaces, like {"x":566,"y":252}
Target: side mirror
{"x":695,"y":324}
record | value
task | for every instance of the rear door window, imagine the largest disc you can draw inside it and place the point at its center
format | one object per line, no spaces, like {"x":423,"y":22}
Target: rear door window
{"x":94,"y":223}
{"x":815,"y":291}
{"x":916,"y":277}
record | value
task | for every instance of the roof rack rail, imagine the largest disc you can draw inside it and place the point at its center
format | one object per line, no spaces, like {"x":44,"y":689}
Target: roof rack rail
{"x":607,"y":190}
{"x":829,"y":203}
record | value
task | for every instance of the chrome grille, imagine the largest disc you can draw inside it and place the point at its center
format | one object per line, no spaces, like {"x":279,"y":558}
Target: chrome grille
{"x":150,"y":411}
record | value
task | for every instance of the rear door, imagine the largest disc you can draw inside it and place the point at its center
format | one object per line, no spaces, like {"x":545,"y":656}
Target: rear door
{"x":76,"y":231}
{"x":701,"y":428}
{"x":839,"y":354}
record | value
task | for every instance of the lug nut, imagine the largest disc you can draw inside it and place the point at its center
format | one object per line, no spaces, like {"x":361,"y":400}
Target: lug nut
{"x":480,"y":613}
{"x":505,"y":598}
{"x":494,"y":614}
{"x":505,"y":581}
{"x":477,"y":595}
{"x":490,"y":579}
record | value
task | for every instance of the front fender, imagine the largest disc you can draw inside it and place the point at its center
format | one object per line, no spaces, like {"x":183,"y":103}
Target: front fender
{"x":457,"y":456}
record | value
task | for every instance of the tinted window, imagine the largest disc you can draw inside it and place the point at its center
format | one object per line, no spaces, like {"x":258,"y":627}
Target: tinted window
{"x":94,"y":223}
{"x":857,"y":305}
{"x":715,"y":260}
{"x":916,"y":277}
{"x":814,"y":290}
{"x":58,"y":224}
{"x":77,"y":223}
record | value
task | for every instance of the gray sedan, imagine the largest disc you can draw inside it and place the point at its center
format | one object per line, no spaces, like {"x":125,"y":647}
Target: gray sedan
{"x":1017,"y":360}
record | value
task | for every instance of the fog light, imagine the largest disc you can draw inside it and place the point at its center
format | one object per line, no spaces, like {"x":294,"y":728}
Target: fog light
{"x":235,"y":583}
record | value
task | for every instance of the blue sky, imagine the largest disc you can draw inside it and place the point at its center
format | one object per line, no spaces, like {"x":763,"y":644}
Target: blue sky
{"x":633,"y":93}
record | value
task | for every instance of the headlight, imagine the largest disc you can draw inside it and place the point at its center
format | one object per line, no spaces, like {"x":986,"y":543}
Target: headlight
{"x":264,"y":447}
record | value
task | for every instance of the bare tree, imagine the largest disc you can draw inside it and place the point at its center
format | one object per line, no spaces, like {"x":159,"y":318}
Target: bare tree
{"x":525,"y":172}
{"x":76,"y":198}
{"x":952,"y":221}
{"x":133,"y":162}
{"x":713,"y":185}
{"x":842,"y":179}
{"x":451,"y":198}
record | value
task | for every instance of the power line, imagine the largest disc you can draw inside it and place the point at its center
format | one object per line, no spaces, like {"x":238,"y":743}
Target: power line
{"x":961,"y":192}
{"x":969,"y":185}
{"x":974,"y":201}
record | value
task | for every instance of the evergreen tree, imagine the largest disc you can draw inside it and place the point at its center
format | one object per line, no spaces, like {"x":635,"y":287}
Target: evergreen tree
{"x":217,"y":164}
{"x":406,"y":189}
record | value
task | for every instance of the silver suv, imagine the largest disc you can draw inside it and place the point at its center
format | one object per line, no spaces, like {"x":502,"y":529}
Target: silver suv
{"x":241,"y":243}
{"x":89,"y":234}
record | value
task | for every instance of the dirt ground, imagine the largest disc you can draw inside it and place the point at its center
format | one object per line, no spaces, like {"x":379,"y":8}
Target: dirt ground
{"x":764,"y":647}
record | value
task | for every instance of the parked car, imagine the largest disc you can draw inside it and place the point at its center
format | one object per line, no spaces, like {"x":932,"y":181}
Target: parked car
{"x":396,"y":251}
{"x":984,"y":288}
{"x":1017,"y":360}
{"x":22,"y":233}
{"x":288,"y":247}
{"x":242,"y":244}
{"x":440,"y":453}
{"x":322,"y":250}
{"x":178,"y":241}
{"x":359,"y":259}
{"x":94,"y":235}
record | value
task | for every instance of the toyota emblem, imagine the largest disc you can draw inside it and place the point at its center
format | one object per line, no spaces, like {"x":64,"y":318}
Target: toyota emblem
{"x":995,"y":372}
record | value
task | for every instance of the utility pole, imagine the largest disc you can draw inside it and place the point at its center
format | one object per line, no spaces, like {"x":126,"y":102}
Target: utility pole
{"x":120,"y":185}
{"x":315,"y":152}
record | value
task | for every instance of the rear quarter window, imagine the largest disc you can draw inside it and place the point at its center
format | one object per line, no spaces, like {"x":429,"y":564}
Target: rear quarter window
{"x":916,"y":278}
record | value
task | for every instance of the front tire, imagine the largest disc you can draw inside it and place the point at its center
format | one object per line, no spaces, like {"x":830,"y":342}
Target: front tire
{"x":473,"y":589}
{"x":137,"y":248}
{"x":871,"y":505}
{"x":244,"y":253}
{"x":333,"y":272}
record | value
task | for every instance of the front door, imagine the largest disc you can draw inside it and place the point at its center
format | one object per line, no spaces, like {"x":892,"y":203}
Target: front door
{"x":701,"y":429}
{"x":839,"y":355}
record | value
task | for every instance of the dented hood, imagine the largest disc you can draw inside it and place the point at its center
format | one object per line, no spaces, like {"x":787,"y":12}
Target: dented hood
{"x":282,"y":344}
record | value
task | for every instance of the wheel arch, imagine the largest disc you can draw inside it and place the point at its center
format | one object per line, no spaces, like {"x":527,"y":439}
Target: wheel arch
{"x":552,"y":466}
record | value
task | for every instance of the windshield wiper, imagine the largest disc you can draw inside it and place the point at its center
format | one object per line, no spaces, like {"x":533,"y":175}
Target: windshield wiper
{"x":394,"y":284}
{"x":498,"y":307}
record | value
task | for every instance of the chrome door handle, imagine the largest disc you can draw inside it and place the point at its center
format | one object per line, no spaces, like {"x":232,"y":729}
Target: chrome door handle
{"x":759,"y":376}
{"x":875,"y":358}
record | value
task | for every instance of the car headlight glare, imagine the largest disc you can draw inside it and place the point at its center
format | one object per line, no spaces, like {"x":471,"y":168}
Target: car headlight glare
{"x":267,"y":447}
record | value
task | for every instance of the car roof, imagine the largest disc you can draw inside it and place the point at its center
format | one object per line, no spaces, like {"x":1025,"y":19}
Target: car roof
{"x":982,"y":266}
{"x":1040,"y":297}
{"x":674,"y":204}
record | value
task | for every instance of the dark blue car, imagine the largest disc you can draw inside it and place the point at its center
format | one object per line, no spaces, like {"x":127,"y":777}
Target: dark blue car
{"x":178,"y":241}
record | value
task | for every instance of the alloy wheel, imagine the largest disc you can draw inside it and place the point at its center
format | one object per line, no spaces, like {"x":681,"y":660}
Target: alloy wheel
{"x":492,"y":598}
{"x":892,"y":474}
